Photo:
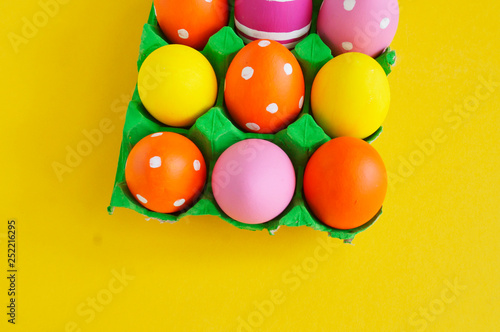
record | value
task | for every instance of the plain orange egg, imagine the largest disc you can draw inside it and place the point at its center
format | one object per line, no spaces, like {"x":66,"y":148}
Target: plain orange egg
{"x":264,"y":88}
{"x":191,"y":22}
{"x":345,"y":182}
{"x":165,"y":172}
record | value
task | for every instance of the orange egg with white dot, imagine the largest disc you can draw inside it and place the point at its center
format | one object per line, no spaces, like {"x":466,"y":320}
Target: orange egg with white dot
{"x":191,"y":22}
{"x":264,"y":88}
{"x":165,"y":172}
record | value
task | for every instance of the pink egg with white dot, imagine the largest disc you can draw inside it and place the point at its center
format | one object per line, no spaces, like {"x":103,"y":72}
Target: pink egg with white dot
{"x":285,"y":21}
{"x":253,"y":181}
{"x":358,"y":25}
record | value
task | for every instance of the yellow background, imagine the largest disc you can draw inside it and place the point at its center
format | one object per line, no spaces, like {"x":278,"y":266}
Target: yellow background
{"x":439,"y":227}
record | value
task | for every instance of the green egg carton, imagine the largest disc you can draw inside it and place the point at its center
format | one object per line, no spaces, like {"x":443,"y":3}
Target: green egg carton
{"x":214,"y":131}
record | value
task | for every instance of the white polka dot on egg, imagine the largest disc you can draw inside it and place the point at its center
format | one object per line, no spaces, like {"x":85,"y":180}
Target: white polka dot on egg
{"x":384,"y":23}
{"x":247,"y":73}
{"x":183,"y":33}
{"x":264,"y":43}
{"x":349,"y":5}
{"x":272,"y":108}
{"x":197,"y":165}
{"x":179,"y":202}
{"x":253,"y":126}
{"x":141,"y":199}
{"x":155,"y":162}
{"x":288,"y":69}
{"x":347,"y":46}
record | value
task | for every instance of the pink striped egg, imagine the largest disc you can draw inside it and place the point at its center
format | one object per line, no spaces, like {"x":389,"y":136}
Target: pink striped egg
{"x":285,"y":21}
{"x":358,"y":25}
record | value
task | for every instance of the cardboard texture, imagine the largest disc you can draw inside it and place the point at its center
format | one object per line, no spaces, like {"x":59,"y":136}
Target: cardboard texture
{"x":214,"y":131}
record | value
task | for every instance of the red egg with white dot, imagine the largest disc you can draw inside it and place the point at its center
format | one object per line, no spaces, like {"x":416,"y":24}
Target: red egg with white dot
{"x":191,"y":22}
{"x":165,"y":172}
{"x":264,"y":88}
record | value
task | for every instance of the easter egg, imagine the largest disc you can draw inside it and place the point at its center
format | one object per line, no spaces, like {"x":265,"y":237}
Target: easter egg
{"x":191,"y":22}
{"x":264,"y":88}
{"x":345,"y":182}
{"x":253,"y":181}
{"x":358,"y":26}
{"x":350,"y":96}
{"x":286,"y":22}
{"x":177,"y":85}
{"x":165,"y":172}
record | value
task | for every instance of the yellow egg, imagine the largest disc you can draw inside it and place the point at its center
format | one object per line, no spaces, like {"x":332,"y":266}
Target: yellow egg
{"x":177,"y":85}
{"x":350,"y":96}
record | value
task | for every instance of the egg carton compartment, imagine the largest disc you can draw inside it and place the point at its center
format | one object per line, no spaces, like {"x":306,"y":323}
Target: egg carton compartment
{"x":214,"y":131}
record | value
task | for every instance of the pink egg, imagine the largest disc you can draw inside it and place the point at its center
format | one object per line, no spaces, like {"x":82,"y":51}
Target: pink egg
{"x":358,"y":26}
{"x":253,"y":181}
{"x":286,"y":22}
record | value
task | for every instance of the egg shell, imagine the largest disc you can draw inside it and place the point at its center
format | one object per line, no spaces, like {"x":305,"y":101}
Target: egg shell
{"x":177,"y":84}
{"x":191,"y":22}
{"x":359,"y":26}
{"x":165,"y":172}
{"x":264,"y":87}
{"x":287,"y":22}
{"x":253,"y":181}
{"x":345,"y":182}
{"x":350,"y":96}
